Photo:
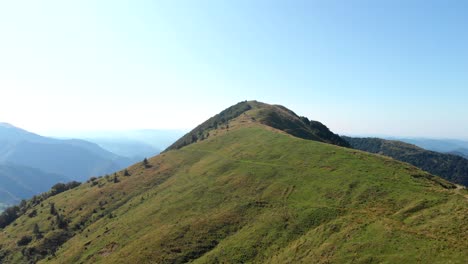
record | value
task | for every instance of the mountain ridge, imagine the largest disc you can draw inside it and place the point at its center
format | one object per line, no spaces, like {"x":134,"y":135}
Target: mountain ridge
{"x":31,"y":164}
{"x":450,"y":146}
{"x":54,"y":155}
{"x":248,"y":193}
{"x":451,"y":167}
{"x":275,"y":116}
{"x":20,"y":182}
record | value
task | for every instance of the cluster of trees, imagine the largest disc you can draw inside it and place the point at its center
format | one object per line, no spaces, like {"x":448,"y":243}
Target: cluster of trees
{"x":302,"y":127}
{"x":9,"y":215}
{"x":61,"y":222}
{"x":61,"y":187}
{"x":12,"y":213}
{"x":45,"y":244}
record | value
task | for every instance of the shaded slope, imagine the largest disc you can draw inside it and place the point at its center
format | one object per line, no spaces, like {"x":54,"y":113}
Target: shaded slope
{"x":72,"y":161}
{"x":451,"y":167}
{"x":275,"y":116}
{"x":75,"y":159}
{"x":20,"y":182}
{"x":251,"y":194}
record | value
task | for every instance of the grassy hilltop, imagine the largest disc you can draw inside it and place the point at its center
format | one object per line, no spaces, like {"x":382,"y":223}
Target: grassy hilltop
{"x":249,"y":190}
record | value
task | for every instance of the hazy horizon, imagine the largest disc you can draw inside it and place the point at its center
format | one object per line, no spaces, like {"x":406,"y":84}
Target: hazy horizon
{"x":393,"y":68}
{"x":119,"y":133}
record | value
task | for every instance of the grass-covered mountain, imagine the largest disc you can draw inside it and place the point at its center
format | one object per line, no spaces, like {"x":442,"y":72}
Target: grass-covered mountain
{"x":275,"y":116}
{"x":451,"y":167}
{"x":247,"y":192}
{"x":20,"y":182}
{"x":74,"y":159}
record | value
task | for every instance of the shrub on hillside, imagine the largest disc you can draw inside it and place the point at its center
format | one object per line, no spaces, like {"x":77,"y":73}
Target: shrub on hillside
{"x":9,"y":215}
{"x":24,"y":240}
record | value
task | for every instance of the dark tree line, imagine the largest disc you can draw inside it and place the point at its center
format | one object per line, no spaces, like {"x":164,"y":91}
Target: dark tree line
{"x":12,"y":213}
{"x":447,"y":166}
{"x":200,"y":132}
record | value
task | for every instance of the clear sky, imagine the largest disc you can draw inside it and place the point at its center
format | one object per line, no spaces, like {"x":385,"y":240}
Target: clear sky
{"x":396,"y":68}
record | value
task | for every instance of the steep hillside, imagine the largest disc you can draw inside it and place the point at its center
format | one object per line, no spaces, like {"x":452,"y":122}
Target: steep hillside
{"x":248,"y":192}
{"x":75,"y":159}
{"x":451,"y":167}
{"x":275,"y":116}
{"x":20,"y":182}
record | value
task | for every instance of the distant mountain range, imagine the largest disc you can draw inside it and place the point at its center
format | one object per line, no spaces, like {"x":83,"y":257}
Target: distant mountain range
{"x":460,"y":152}
{"x":74,"y":159}
{"x":452,"y":146}
{"x":126,"y":147}
{"x":451,"y":167}
{"x":21,"y":182}
{"x":135,"y":144}
{"x":31,"y":164}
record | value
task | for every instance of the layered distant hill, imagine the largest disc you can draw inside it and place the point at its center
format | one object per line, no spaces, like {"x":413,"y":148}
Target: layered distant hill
{"x":451,"y":167}
{"x":254,"y":184}
{"x":451,"y":146}
{"x":127,"y":147}
{"x":460,"y":152}
{"x":31,"y":164}
{"x":20,"y":182}
{"x":74,"y":159}
{"x":135,"y":144}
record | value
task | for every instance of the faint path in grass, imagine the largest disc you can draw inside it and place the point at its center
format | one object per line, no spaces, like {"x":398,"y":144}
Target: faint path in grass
{"x":368,"y":215}
{"x":239,"y":160}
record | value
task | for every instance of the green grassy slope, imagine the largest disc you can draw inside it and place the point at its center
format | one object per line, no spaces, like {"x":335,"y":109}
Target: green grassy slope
{"x":275,"y":116}
{"x":252,"y":194}
{"x":451,"y":167}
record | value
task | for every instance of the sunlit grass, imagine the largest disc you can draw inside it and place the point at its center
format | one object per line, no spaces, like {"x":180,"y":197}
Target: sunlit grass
{"x":251,"y":194}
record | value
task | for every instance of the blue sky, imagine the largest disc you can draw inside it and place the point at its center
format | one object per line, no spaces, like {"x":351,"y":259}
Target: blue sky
{"x":396,"y":68}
